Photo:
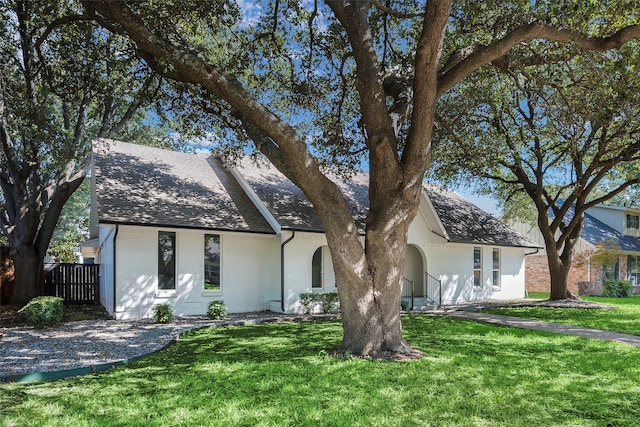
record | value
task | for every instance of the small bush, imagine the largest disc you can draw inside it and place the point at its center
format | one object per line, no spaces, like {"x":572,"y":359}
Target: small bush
{"x":404,"y":305}
{"x":44,"y":311}
{"x":306,"y":300}
{"x":617,"y":289}
{"x":327,"y":301}
{"x":162,"y":313}
{"x":217,"y":310}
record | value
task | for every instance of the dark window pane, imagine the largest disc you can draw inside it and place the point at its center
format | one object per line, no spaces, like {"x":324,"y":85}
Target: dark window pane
{"x":166,"y":260}
{"x":316,"y":269}
{"x":212,"y":262}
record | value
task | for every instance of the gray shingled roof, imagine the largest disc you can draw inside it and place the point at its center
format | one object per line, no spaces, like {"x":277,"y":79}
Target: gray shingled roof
{"x":142,"y":185}
{"x":467,"y":223}
{"x":595,"y":231}
{"x":463,"y":221}
{"x":137,"y":184}
{"x":288,"y":204}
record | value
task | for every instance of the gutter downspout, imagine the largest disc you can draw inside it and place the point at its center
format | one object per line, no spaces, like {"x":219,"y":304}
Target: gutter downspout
{"x":526,"y":293}
{"x":282,"y":245}
{"x":115,"y":235}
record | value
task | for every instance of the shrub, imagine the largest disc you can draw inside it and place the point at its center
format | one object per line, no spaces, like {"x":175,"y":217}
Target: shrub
{"x":217,"y":310}
{"x":306,"y":300}
{"x":617,"y":289}
{"x":328,"y":301}
{"x":162,"y":313}
{"x":44,"y":311}
{"x":404,"y":305}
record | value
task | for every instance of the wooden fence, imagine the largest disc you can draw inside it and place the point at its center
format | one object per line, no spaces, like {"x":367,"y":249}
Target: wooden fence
{"x":75,"y":283}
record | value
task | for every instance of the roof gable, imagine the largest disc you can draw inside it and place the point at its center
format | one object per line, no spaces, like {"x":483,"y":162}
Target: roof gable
{"x":143,"y":185}
{"x":466,"y":223}
{"x":288,"y":204}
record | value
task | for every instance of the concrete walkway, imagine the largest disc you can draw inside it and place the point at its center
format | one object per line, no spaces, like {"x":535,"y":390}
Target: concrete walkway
{"x":539,"y":325}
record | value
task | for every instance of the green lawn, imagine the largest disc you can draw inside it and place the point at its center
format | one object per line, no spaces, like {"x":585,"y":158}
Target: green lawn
{"x":279,"y":375}
{"x":538,"y":295}
{"x":624,"y":317}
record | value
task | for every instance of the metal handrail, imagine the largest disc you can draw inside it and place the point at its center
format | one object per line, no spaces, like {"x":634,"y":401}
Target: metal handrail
{"x":408,"y":291}
{"x":434,"y":289}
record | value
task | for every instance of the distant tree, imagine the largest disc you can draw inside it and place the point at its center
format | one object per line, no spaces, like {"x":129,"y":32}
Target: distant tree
{"x":606,"y":255}
{"x":63,"y":82}
{"x":73,"y":225}
{"x":554,"y":141}
{"x":341,"y":81}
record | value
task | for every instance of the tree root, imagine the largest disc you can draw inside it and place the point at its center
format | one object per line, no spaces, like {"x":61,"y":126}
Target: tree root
{"x":571,"y":295}
{"x":402,"y":353}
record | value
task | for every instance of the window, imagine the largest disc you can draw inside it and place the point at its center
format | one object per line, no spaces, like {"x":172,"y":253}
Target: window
{"x":612,"y":272}
{"x":166,"y":260}
{"x":316,"y":269}
{"x":633,"y":263}
{"x":496,"y":269}
{"x":212,"y":262}
{"x":477,"y":268}
{"x":633,"y":221}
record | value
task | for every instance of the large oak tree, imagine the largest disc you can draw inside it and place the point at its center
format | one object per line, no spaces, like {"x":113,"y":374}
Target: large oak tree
{"x":553,"y":142}
{"x":330,"y":81}
{"x":63,"y":81}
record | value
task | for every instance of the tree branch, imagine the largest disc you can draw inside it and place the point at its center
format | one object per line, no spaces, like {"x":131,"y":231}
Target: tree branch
{"x":533,"y":31}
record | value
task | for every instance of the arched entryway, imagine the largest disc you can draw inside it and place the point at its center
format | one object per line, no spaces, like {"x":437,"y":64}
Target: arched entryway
{"x":414,"y":270}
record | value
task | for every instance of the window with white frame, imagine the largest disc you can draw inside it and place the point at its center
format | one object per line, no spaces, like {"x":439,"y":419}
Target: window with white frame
{"x":633,"y":221}
{"x":212,"y":262}
{"x":166,"y":260}
{"x":633,"y":264}
{"x":477,"y":268}
{"x":495,"y":278}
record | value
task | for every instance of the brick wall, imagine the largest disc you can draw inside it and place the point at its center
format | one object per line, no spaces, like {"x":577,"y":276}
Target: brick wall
{"x":537,"y":273}
{"x":536,"y":269}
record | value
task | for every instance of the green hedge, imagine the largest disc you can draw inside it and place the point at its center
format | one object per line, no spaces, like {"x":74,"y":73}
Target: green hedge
{"x":328,"y":301}
{"x":617,"y":289}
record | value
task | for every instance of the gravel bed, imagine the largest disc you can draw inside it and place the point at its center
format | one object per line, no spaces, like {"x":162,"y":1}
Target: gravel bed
{"x":71,"y":345}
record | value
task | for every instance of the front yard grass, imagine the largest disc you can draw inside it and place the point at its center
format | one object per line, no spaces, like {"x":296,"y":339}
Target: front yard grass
{"x":472,"y":374}
{"x":623,"y":317}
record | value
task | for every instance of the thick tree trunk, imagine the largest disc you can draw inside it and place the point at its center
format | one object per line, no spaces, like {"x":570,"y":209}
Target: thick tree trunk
{"x":559,"y":274}
{"x":559,"y":266}
{"x":370,"y":298}
{"x":28,"y":268}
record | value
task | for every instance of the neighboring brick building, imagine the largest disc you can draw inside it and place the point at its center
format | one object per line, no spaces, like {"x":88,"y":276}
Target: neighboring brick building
{"x":619,"y":225}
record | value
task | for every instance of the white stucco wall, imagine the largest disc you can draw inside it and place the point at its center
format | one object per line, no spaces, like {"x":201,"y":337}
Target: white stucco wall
{"x":249,"y":268}
{"x":298,"y":254}
{"x":105,"y":259}
{"x":453,"y":265}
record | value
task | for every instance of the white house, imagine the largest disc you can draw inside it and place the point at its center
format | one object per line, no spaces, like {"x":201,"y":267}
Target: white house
{"x":186,"y":229}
